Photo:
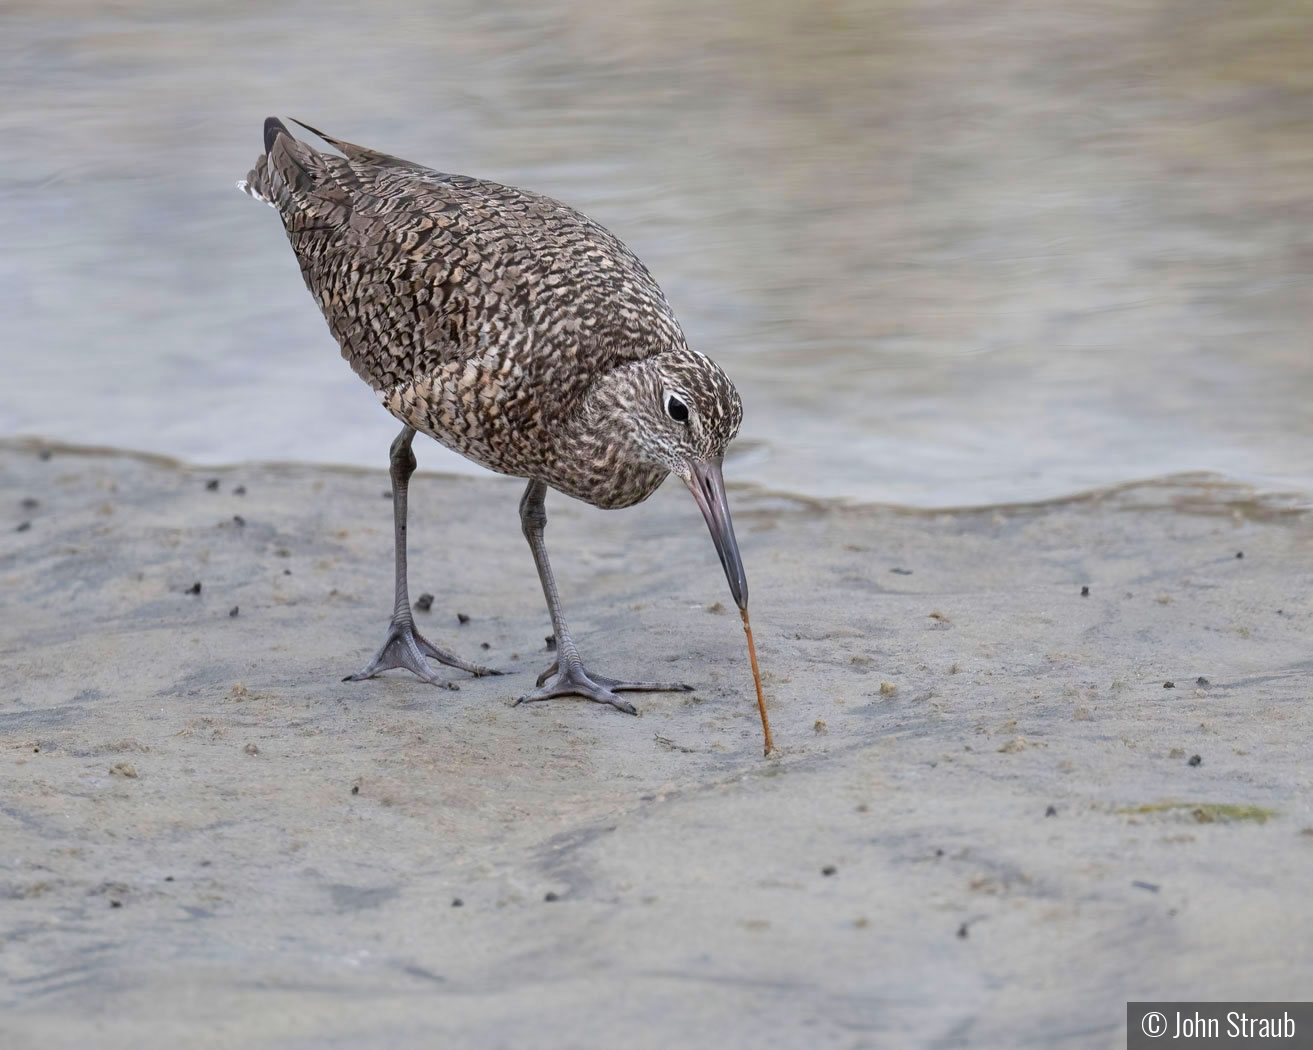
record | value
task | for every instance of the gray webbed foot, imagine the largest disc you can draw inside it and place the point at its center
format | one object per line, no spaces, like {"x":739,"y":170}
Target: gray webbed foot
{"x":577,"y":681}
{"x":406,"y":647}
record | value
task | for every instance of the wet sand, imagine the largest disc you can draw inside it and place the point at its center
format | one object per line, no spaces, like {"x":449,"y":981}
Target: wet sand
{"x":208,"y":839}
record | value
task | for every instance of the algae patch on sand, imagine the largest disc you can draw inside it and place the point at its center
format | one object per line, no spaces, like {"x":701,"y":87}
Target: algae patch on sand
{"x":1206,"y":812}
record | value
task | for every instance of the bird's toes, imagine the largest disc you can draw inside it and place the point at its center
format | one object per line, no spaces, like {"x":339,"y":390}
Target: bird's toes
{"x":603,"y":694}
{"x":617,"y":685}
{"x":621,"y":705}
{"x":425,"y":674}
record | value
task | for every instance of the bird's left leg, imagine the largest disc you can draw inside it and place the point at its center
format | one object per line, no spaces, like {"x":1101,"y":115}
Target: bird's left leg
{"x":404,"y":646}
{"x":572,"y":678}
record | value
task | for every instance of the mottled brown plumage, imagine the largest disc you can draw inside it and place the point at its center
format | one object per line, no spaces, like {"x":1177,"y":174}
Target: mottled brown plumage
{"x":516,"y":331}
{"x":502,"y":323}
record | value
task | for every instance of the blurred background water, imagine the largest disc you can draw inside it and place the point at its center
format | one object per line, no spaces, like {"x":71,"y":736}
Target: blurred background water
{"x":952,"y":251}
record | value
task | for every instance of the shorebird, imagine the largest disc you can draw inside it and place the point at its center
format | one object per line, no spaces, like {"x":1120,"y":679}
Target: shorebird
{"x":516,"y":331}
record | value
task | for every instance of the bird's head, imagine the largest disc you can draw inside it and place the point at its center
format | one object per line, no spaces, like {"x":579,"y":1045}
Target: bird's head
{"x":687,"y":410}
{"x":679,"y":411}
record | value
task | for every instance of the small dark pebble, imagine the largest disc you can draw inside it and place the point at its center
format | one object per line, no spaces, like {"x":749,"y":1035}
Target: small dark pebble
{"x":23,"y":526}
{"x":240,"y":490}
{"x":939,"y":852}
{"x":116,"y":904}
{"x":238,"y":520}
{"x":1239,"y":554}
{"x":1169,"y":685}
{"x":901,"y":572}
{"x":829,"y":869}
{"x":549,"y":896}
{"x":30,"y":504}
{"x":36,"y":750}
{"x":1152,"y":887}
{"x":168,"y":878}
{"x":195,"y":588}
{"x":287,"y":572}
{"x":212,"y":485}
{"x":456,"y":902}
{"x":355,"y":789}
{"x":44,"y":454}
{"x":484,"y":645}
{"x":1195,"y":760}
{"x":462,"y":618}
{"x":1052,"y":811}
{"x":233,"y":611}
{"x":387,"y":494}
{"x":963,"y":932}
{"x":1201,"y":680}
{"x":1084,"y":592}
{"x":551,"y":643}
{"x":424,"y":602}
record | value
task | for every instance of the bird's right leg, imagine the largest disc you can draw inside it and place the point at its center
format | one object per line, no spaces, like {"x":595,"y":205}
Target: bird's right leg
{"x":572,"y":678}
{"x":405,"y":646}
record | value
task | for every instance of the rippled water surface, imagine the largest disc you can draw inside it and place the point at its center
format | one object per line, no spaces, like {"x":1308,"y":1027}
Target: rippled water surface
{"x":952,"y":252}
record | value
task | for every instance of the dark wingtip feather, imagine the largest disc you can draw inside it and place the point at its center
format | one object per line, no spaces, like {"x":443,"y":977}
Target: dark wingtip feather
{"x":313,"y":131}
{"x":360,"y":154}
{"x":273,"y":127}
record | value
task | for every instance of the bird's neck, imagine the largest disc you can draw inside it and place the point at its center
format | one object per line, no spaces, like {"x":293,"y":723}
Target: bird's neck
{"x":595,"y":464}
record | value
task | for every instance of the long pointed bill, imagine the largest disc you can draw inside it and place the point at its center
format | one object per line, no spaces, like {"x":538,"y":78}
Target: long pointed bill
{"x":708,"y":487}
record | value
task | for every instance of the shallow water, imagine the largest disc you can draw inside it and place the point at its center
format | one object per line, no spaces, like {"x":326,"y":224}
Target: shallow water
{"x":952,"y":252}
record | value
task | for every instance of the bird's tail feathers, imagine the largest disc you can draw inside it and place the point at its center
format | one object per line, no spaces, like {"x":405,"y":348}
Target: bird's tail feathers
{"x":288,"y":169}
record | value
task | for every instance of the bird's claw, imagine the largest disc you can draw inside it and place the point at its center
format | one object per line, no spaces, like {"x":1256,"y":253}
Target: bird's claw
{"x":576,"y":681}
{"x":405,"y":647}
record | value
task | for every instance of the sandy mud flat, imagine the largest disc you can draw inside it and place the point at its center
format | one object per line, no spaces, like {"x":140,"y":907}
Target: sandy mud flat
{"x":994,"y":820}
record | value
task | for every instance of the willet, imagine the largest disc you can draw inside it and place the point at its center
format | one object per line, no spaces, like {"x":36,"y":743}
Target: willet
{"x":521,"y":334}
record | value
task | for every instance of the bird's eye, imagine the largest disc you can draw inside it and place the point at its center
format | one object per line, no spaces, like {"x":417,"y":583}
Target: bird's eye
{"x":676,"y":409}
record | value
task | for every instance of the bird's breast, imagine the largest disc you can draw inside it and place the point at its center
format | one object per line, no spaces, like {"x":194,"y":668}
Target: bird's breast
{"x":609,"y":489}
